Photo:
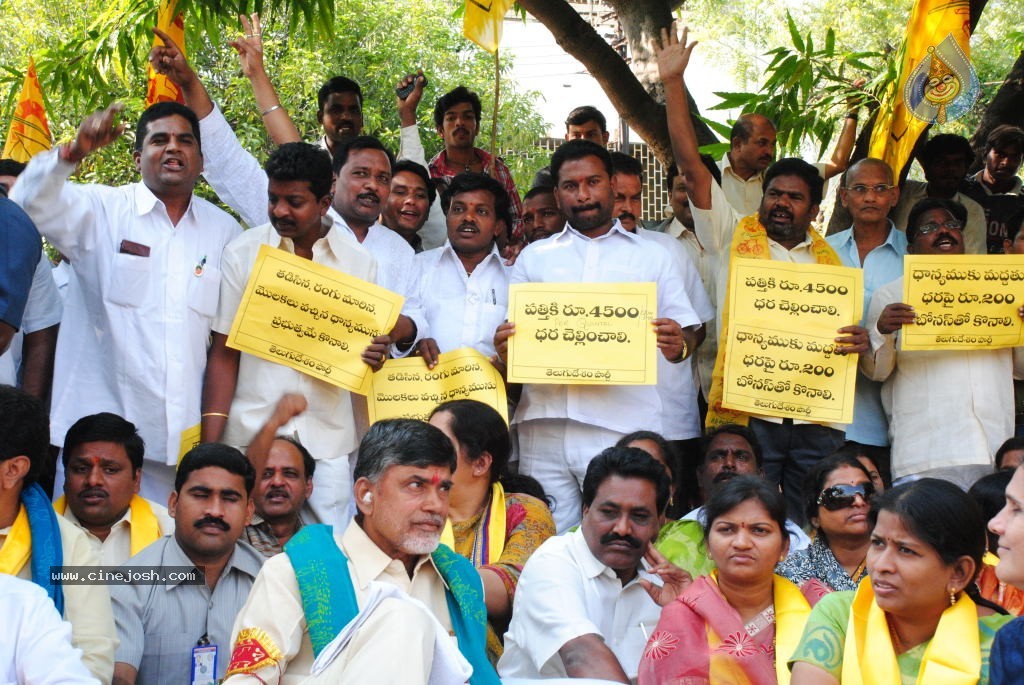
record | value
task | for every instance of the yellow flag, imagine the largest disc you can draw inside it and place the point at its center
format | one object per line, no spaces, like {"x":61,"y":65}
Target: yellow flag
{"x":936,"y":83}
{"x":482,"y":22}
{"x":29,"y":132}
{"x":160,"y":88}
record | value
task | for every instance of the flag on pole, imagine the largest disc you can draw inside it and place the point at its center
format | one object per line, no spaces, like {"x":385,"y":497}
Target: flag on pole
{"x":29,"y":132}
{"x":482,"y":20}
{"x":936,"y":83}
{"x":160,"y":88}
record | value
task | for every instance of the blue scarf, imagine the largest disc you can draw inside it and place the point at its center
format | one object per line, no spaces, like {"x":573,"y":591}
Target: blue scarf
{"x":47,"y":550}
{"x":329,"y":597}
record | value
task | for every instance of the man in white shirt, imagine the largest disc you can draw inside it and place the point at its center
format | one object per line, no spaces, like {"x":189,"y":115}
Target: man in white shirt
{"x":241,"y":390}
{"x":562,"y":427}
{"x":146,"y":258}
{"x":948,"y":410}
{"x":102,"y":458}
{"x":586,"y":600}
{"x":461,"y":289}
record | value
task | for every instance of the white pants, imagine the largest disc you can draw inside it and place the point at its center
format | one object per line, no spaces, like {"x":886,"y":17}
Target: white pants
{"x":557,"y":452}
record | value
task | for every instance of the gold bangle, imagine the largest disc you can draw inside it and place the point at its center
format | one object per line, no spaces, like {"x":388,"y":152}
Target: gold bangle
{"x":214,"y":413}
{"x":268,"y":110}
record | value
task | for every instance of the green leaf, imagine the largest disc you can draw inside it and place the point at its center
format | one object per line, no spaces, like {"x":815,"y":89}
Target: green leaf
{"x":794,"y":34}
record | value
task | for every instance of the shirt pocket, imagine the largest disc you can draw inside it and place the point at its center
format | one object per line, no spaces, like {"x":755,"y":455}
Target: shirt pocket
{"x":129,"y":279}
{"x":204,"y":292}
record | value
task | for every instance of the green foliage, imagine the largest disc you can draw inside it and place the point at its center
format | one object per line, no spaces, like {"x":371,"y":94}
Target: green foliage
{"x":373,"y":42}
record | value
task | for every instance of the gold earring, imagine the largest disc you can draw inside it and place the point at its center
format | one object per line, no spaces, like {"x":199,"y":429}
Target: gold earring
{"x":952,"y":598}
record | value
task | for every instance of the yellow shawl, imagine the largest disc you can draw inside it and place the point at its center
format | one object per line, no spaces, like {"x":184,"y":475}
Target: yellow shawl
{"x":145,"y":528}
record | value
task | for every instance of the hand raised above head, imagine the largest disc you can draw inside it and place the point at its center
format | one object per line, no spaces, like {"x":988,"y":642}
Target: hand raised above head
{"x":672,"y":52}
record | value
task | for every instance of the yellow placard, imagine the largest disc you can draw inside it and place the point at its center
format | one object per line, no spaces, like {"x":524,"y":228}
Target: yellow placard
{"x":407,"y":389}
{"x":583,"y":333}
{"x":311,"y":318}
{"x":190,"y":438}
{"x":964,"y":302}
{"x":781,"y":354}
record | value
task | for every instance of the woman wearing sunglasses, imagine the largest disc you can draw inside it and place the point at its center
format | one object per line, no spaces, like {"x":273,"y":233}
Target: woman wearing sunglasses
{"x":728,"y":627}
{"x":837,"y":491}
{"x":916,"y":618}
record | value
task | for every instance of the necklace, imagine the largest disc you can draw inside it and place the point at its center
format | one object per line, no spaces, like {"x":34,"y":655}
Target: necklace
{"x":894,"y":636}
{"x":859,"y":571}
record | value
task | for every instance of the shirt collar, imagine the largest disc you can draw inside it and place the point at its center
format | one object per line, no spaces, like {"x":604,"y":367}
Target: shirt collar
{"x":125,"y":520}
{"x":335,"y":237}
{"x":146,"y":201}
{"x":447,"y":251}
{"x":1017,"y":188}
{"x":896,"y":239}
{"x":725,"y":166}
{"x":616,"y":228}
{"x":367,"y":558}
{"x":245,"y":563}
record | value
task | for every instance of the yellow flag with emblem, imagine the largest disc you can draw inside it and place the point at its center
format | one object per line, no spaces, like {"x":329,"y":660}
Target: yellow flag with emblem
{"x":29,"y":132}
{"x":160,"y":88}
{"x":936,"y":82}
{"x":482,"y":20}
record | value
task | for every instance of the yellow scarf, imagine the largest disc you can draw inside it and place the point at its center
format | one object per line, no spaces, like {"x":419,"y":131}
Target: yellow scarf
{"x":750,"y":240}
{"x":990,"y":559}
{"x":145,"y":528}
{"x":491,"y":536}
{"x":953,"y":657}
{"x":17,"y":548}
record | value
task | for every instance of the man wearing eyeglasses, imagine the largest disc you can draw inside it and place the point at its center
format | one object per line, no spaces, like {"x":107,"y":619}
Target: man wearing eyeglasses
{"x":948,"y":411}
{"x":873,"y":244}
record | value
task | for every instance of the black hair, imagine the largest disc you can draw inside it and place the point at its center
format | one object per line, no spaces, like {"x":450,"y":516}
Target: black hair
{"x":627,"y":164}
{"x":794,"y":166}
{"x":162,"y":110}
{"x":418,"y":169}
{"x":814,"y":481}
{"x":456,"y":97}
{"x":479,"y":428}
{"x":538,"y":190}
{"x":572,"y":150}
{"x":308,"y":462}
{"x":942,"y":516}
{"x":1004,"y":136}
{"x":302,"y":162}
{"x":24,"y":429}
{"x":945,"y":144}
{"x":543,"y":178}
{"x":735,"y":491}
{"x":732,"y":429}
{"x":668,"y":453}
{"x":105,"y":427}
{"x":857,"y":450}
{"x":338,"y":84}
{"x":11,"y":167}
{"x":584,"y":114}
{"x":402,"y":442}
{"x":989,"y":493}
{"x":625,"y":462}
{"x":344,"y":149}
{"x":470,"y":181}
{"x":215,"y":454}
{"x":743,"y":128}
{"x":927,"y":204}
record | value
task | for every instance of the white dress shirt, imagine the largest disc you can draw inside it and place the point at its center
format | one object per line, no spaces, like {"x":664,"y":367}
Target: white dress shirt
{"x":117,"y":548}
{"x":35,"y":644}
{"x":393,"y":254}
{"x":42,"y":310}
{"x":458,"y":310}
{"x":946,"y":407}
{"x":745,"y":195}
{"x":615,"y":257}
{"x":135,"y":331}
{"x":676,"y":385}
{"x":327,"y":428}
{"x":565,"y":592}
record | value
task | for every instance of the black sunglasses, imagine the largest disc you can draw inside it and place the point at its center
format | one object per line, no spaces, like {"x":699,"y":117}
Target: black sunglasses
{"x":842,"y":496}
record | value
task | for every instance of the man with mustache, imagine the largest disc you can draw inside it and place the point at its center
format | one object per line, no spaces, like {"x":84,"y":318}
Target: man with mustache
{"x":561,"y":427}
{"x":173,"y":627}
{"x":586,"y":600}
{"x":461,"y":290}
{"x":356,"y":576}
{"x":780,"y":230}
{"x":240,"y":389}
{"x":146,"y":258}
{"x":948,"y":410}
{"x":996,"y":187}
{"x":102,"y":474}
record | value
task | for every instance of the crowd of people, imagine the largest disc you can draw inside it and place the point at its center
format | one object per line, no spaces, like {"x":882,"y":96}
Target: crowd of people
{"x":610,"y":533}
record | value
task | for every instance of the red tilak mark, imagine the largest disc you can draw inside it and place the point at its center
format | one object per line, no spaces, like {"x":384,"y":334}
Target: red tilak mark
{"x":95,"y":461}
{"x":435,"y":479}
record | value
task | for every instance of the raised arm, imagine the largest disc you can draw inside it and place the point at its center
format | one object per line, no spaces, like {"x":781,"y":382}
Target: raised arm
{"x":673,"y":54}
{"x":847,"y":137}
{"x":288,"y":407}
{"x":276,"y":120}
{"x":169,"y":60}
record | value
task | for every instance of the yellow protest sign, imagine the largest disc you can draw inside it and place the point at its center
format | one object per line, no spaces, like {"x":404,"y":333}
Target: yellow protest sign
{"x":406,"y":388}
{"x":964,"y":302}
{"x":311,"y":318}
{"x":781,"y":355}
{"x":583,"y":333}
{"x":190,"y":437}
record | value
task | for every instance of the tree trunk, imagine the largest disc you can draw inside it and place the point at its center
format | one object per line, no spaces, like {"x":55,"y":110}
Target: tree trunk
{"x":1006,"y":107}
{"x":628,"y":95}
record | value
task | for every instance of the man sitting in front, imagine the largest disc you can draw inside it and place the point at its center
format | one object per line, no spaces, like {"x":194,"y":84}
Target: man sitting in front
{"x":304,"y":598}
